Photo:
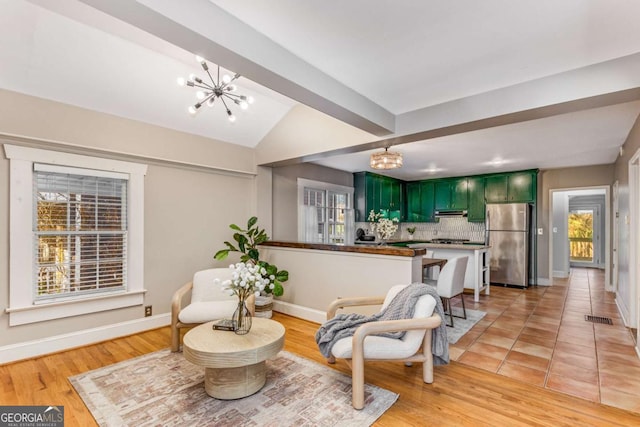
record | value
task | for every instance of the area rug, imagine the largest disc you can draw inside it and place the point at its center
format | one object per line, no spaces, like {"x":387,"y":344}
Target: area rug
{"x":462,"y":326}
{"x":164,"y":389}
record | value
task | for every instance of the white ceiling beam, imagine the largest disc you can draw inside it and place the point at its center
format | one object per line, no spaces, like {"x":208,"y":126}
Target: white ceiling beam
{"x":201,"y":27}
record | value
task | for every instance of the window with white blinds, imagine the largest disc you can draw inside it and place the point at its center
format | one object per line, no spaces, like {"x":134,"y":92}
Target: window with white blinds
{"x":326,"y":215}
{"x":76,"y":237}
{"x":80,"y":232}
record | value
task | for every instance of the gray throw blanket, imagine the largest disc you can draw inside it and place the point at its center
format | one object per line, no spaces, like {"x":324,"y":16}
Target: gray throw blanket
{"x":402,"y":306}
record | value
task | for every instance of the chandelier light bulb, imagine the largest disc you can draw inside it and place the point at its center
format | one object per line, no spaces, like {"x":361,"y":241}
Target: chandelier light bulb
{"x":192,"y":77}
{"x":192,"y":110}
{"x":244,"y":105}
{"x":181,"y":81}
{"x":232,"y":118}
{"x":226,"y":78}
{"x":250,"y":99}
{"x":200,"y":94}
{"x":200,"y":59}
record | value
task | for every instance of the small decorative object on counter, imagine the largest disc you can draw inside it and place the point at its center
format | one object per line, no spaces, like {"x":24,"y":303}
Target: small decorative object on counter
{"x":411,"y":230}
{"x":384,"y":228}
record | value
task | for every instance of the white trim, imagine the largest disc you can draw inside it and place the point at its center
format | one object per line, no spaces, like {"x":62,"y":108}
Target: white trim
{"x":634,"y":240}
{"x":100,"y":152}
{"x":56,"y":343}
{"x":607,"y":221}
{"x":37,"y":155}
{"x":306,"y":313}
{"x":560,"y":274}
{"x":623,"y":310}
{"x":544,"y":282}
{"x":325,"y":186}
{"x":21,"y":265}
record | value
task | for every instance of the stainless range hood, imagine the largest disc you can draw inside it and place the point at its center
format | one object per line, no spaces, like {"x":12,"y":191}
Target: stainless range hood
{"x":450,"y":213}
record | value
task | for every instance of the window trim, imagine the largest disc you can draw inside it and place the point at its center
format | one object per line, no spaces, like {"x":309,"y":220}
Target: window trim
{"x":325,"y":186}
{"x":22,"y":309}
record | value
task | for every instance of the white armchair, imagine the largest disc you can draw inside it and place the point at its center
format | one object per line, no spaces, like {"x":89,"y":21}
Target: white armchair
{"x":415,"y":346}
{"x":208,"y":302}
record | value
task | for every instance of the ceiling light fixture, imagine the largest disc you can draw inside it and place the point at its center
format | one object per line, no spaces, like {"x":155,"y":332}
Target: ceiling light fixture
{"x":220,"y":88}
{"x":386,"y":159}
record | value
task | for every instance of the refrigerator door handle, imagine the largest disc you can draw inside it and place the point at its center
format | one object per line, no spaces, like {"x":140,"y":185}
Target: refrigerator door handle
{"x":486,"y":228}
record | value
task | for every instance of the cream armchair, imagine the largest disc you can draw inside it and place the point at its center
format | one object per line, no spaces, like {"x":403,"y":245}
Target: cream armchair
{"x":207,"y":302}
{"x":415,"y":346}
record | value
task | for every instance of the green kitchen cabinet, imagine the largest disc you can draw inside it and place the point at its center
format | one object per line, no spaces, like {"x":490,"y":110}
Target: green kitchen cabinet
{"x":522,"y":186}
{"x":477,"y":206}
{"x":420,"y":201}
{"x":515,"y":187}
{"x":451,"y":194}
{"x":377,"y":193}
{"x":495,"y":189}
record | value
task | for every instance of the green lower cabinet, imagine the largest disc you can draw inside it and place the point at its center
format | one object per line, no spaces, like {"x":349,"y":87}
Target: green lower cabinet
{"x":477,"y":206}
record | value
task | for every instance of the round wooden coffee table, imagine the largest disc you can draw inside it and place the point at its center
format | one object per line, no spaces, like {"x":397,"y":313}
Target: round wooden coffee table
{"x":234,"y":364}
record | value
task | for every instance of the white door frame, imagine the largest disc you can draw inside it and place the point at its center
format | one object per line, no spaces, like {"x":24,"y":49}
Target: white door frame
{"x":634,"y":241}
{"x":607,"y":237}
{"x":615,"y":237}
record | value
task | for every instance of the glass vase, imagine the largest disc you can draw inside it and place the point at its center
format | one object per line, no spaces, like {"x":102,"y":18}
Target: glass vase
{"x":242,"y":318}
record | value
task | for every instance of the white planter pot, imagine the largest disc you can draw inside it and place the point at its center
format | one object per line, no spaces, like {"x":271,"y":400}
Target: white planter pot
{"x":264,"y":306}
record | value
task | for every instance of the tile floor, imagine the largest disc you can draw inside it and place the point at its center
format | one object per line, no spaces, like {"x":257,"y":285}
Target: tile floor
{"x":540,"y":336}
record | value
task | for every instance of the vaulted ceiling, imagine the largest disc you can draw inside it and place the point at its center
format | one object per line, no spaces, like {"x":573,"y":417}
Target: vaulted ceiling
{"x":458,"y":87}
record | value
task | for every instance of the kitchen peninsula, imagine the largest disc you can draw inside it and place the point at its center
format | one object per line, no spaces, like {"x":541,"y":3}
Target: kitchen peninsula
{"x":320,"y":273}
{"x":477,"y":276}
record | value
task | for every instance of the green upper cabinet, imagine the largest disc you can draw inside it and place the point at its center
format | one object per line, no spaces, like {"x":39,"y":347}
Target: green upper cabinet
{"x":517,"y":187}
{"x":420,"y":201}
{"x":522,"y":186}
{"x":451,"y":194}
{"x":377,"y":193}
{"x":495,"y":188}
{"x":476,"y":211}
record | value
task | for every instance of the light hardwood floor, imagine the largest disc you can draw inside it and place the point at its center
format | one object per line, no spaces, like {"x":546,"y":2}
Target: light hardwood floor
{"x":460,"y":395}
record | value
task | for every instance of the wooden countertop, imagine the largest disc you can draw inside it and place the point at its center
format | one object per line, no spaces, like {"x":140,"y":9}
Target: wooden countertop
{"x":450,"y":246}
{"x":362,"y":249}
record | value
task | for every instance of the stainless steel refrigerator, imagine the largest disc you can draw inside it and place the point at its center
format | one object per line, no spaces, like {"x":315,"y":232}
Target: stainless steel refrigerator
{"x":508,"y":235}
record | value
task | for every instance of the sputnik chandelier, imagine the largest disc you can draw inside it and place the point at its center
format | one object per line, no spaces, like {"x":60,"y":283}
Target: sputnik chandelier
{"x":220,"y":88}
{"x":386,"y":159}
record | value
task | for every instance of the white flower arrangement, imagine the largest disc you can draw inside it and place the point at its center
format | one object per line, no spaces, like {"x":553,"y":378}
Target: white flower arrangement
{"x":383,"y":227}
{"x":247,"y":278}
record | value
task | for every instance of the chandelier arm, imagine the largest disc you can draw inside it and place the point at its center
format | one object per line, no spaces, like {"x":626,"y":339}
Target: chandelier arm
{"x":210,"y":77}
{"x":225,"y":104}
{"x":203,"y":85}
{"x":230,"y":81}
{"x":232,"y":95}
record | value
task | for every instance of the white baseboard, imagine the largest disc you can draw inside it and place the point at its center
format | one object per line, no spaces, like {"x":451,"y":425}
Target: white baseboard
{"x":560,"y":274}
{"x":56,"y":343}
{"x":543,"y":282}
{"x":624,"y":312}
{"x":305,"y":313}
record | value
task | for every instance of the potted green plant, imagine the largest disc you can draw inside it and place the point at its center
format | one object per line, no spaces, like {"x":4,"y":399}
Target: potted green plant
{"x":411,"y":230}
{"x":246,"y":242}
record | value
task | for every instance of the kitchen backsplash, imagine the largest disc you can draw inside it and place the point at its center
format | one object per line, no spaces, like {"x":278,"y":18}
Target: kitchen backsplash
{"x":454,"y":228}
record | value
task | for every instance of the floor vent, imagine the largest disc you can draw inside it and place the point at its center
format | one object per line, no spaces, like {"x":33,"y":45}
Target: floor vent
{"x":598,"y":319}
